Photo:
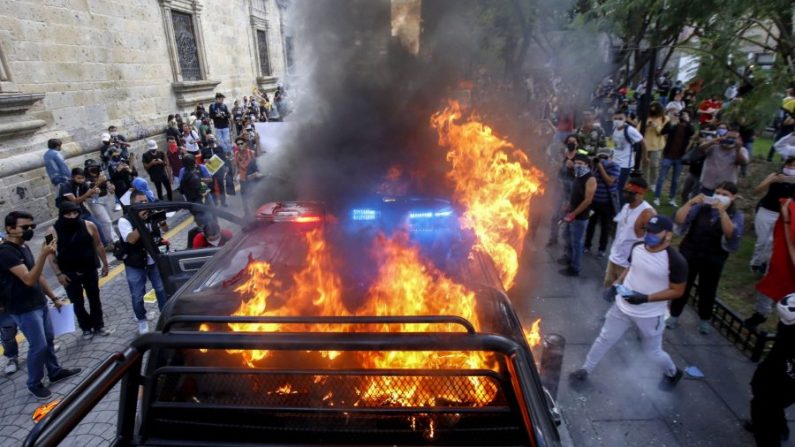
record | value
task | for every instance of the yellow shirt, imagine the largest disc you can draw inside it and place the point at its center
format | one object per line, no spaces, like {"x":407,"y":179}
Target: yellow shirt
{"x":654,"y":140}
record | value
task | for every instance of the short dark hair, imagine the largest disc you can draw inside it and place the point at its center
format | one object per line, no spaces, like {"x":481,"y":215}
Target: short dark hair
{"x":14,"y":216}
{"x":52,"y":143}
{"x":111,"y":127}
{"x":789,"y":160}
{"x":728,"y":186}
{"x":78,"y":171}
{"x":638,"y":181}
{"x":211,"y":228}
{"x":135,"y":194}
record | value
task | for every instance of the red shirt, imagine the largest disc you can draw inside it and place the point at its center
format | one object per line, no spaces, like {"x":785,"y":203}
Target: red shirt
{"x":706,"y":105}
{"x":779,"y":281}
{"x":199,"y":240}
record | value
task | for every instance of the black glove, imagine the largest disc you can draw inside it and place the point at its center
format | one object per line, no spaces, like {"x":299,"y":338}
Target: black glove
{"x":609,"y":294}
{"x":637,"y":298}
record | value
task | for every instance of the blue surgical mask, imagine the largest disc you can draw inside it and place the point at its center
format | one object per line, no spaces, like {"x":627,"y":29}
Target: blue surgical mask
{"x":580,"y":171}
{"x":722,"y":132}
{"x":652,"y":240}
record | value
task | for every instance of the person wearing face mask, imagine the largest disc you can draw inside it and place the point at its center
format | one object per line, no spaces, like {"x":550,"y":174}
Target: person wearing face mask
{"x":119,"y":140}
{"x":139,"y":265}
{"x":174,"y":154}
{"x":626,"y":139}
{"x":80,"y":192}
{"x":591,"y":134}
{"x":630,"y":222}
{"x":75,"y":265}
{"x":678,"y":132}
{"x":777,"y":186}
{"x":604,"y":203}
{"x":723,"y":157}
{"x":577,"y":213}
{"x":212,"y":236}
{"x":712,"y":228}
{"x":98,"y":202}
{"x":156,"y":166}
{"x":25,"y":287}
{"x":656,"y":274}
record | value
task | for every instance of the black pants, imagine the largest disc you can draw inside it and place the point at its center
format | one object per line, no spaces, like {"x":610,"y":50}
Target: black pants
{"x":219,"y":186}
{"x":89,"y":281}
{"x":772,"y":392}
{"x":708,"y":273}
{"x":602,"y":215}
{"x":161,"y":182}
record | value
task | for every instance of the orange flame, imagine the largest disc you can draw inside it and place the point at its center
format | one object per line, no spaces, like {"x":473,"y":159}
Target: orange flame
{"x":494,"y":182}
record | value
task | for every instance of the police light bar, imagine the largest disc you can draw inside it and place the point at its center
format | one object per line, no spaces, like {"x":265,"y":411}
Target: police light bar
{"x":364,"y":214}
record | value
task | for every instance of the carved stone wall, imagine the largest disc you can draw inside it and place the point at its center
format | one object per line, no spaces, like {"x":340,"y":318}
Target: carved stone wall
{"x":69,"y":69}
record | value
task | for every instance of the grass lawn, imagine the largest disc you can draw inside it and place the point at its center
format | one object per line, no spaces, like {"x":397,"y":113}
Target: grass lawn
{"x":736,"y":287}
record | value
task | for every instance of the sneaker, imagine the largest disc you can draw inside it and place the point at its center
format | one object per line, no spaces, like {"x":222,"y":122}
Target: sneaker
{"x":56,"y":347}
{"x":117,"y":207}
{"x":672,"y":202}
{"x":143,"y":327}
{"x":64,"y":373}
{"x":11,"y":367}
{"x":103,"y":332}
{"x":88,"y":335}
{"x":40,"y":391}
{"x":581,"y":374}
{"x":703,"y":327}
{"x":656,"y":201}
{"x":568,"y":271}
{"x":669,"y":382}
{"x":672,"y":322}
{"x":753,"y":321}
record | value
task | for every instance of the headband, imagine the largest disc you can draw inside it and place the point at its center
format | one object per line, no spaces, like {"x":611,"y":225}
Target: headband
{"x":635,"y":188}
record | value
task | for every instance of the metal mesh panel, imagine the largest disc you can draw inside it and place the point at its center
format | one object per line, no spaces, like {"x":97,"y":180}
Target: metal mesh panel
{"x":360,"y":390}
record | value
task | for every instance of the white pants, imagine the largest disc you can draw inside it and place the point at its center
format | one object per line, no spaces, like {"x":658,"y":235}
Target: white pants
{"x":651,"y":332}
{"x":764,"y":222}
{"x":100,"y":212}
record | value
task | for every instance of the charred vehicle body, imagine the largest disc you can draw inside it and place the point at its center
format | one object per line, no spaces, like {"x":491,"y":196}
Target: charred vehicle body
{"x":379,"y":324}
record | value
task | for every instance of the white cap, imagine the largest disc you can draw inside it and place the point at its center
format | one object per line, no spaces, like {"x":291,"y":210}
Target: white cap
{"x":786,"y":309}
{"x":105,"y":136}
{"x":151,"y":144}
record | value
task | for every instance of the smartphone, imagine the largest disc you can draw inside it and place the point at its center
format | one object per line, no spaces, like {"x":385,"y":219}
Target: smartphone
{"x":48,"y":239}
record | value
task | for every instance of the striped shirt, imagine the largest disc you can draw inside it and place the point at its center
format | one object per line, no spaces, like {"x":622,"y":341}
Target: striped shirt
{"x":602,"y":189}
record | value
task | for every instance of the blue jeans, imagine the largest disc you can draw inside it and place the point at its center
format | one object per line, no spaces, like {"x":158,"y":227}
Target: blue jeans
{"x":223,"y":139}
{"x":136,"y":281}
{"x":8,"y":334}
{"x":623,"y":176}
{"x":575,"y":233}
{"x":41,"y":352}
{"x":664,"y":167}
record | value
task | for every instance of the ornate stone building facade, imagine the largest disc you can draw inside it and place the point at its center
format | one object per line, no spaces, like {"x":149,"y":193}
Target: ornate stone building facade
{"x":71,"y":68}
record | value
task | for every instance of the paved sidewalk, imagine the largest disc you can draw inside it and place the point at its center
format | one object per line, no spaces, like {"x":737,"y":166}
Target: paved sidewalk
{"x":620,"y":404}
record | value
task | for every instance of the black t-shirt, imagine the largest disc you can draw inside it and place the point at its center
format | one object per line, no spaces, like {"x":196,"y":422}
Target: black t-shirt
{"x":220,"y":115}
{"x":155,"y":171}
{"x":19,"y":297}
{"x":76,"y":190}
{"x":776,"y":192}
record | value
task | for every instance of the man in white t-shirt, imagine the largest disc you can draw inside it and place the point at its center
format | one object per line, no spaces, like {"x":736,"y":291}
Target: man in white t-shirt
{"x":657,"y":273}
{"x":629,"y":229}
{"x":623,"y":154}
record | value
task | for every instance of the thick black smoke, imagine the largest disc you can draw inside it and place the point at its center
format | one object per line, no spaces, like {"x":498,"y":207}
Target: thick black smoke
{"x":361,"y":102}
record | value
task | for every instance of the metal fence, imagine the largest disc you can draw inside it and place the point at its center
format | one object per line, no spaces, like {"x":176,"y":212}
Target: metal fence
{"x":752,"y":343}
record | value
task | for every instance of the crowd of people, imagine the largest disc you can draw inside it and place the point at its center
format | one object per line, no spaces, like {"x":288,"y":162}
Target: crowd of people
{"x":204,"y":161}
{"x":605,"y":177}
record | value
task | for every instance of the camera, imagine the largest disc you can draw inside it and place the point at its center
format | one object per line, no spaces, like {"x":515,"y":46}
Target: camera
{"x":708,"y":134}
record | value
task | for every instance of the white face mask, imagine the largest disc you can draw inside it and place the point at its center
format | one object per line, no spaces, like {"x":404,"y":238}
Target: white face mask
{"x":724,"y":200}
{"x":618,"y":123}
{"x":789,"y":171}
{"x":215,"y":242}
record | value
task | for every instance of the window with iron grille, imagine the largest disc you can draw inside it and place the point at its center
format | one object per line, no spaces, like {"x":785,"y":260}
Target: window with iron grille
{"x":262,"y":48}
{"x":187,"y":49}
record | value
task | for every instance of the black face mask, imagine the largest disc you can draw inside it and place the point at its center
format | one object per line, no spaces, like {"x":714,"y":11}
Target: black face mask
{"x":27,"y":234}
{"x":571,"y":146}
{"x":69,"y":224}
{"x":629,"y":196}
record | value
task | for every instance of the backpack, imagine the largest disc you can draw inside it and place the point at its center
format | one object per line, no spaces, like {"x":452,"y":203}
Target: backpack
{"x":119,"y":247}
{"x":637,"y":148}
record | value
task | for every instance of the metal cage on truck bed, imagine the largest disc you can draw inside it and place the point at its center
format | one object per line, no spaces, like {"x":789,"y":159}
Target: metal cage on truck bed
{"x":166,"y":401}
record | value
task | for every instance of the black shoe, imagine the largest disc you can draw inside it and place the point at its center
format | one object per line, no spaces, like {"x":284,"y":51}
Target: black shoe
{"x":64,"y":373}
{"x":754,"y":320}
{"x":581,"y":374}
{"x":568,"y":271}
{"x":565,"y":260}
{"x":669,"y":383}
{"x":40,"y":391}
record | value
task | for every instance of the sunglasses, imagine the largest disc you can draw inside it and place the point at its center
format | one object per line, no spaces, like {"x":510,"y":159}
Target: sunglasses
{"x":28,"y":227}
